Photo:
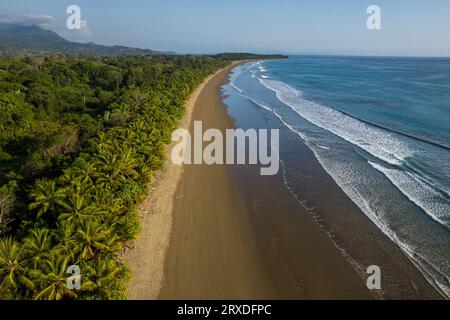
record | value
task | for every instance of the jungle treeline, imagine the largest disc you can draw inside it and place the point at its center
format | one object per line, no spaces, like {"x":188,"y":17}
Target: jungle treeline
{"x":80,"y":139}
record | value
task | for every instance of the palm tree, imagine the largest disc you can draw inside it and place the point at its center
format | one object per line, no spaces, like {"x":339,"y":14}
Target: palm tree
{"x":138,"y":126}
{"x":116,"y":169}
{"x":77,"y":208}
{"x":88,"y":173}
{"x":111,"y":180}
{"x":127,"y":227}
{"x":64,"y":234}
{"x":38,"y":245}
{"x":146,"y":174}
{"x":46,"y":196}
{"x":12,"y":265}
{"x":135,"y":98}
{"x":108,"y":160}
{"x":127,"y":163}
{"x":104,"y":273}
{"x":127,"y":136}
{"x":51,"y":278}
{"x":94,"y":238}
{"x":142,"y":139}
{"x":110,"y":206}
{"x":103,"y":142}
{"x":75,"y":182}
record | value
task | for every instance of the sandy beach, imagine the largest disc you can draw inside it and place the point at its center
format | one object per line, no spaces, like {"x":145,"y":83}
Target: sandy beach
{"x":224,"y":232}
{"x":146,"y":258}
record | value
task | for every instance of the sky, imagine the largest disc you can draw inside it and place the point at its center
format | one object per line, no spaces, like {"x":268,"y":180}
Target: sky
{"x":408,"y":27}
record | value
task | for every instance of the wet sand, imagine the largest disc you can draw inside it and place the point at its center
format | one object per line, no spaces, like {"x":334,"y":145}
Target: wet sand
{"x":147,"y":255}
{"x":225,"y":232}
{"x":222,"y":249}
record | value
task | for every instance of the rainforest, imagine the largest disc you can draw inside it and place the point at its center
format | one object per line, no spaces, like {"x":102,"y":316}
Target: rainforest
{"x":80,"y":139}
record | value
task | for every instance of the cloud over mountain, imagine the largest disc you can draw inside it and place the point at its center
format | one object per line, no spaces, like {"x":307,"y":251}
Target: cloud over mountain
{"x":39,"y":19}
{"x":27,"y":19}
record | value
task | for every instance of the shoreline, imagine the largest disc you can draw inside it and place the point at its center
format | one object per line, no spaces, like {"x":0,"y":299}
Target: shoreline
{"x":146,"y":257}
{"x":222,"y":240}
{"x":356,"y":237}
{"x":221,"y":250}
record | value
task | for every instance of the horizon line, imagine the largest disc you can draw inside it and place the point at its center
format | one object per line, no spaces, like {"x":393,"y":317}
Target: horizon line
{"x":287,"y":53}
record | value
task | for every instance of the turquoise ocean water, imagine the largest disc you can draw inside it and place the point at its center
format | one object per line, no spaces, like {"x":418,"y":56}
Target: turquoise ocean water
{"x":380,"y":127}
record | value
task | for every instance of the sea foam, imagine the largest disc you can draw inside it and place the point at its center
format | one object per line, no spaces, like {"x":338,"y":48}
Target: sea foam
{"x":418,"y":191}
{"x":377,"y":142}
{"x":383,"y":145}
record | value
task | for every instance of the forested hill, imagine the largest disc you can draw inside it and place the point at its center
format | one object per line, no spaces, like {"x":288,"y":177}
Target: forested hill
{"x":248,"y":56}
{"x":16,"y":38}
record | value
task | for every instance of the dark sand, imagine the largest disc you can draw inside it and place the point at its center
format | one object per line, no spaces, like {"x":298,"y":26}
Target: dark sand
{"x":226,"y":246}
{"x":233,"y":234}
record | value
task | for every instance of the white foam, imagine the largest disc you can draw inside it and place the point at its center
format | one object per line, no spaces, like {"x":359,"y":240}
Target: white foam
{"x":252,"y":65}
{"x":323,"y":147}
{"x":234,"y":86}
{"x":259,"y":104}
{"x":350,"y":182}
{"x":377,"y":142}
{"x":261,"y":67}
{"x":418,"y":191}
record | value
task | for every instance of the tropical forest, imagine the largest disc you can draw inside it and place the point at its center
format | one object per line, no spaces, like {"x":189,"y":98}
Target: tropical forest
{"x":80,"y":140}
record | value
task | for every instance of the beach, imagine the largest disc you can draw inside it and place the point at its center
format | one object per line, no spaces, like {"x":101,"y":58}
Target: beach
{"x":147,"y":256}
{"x":225,"y":232}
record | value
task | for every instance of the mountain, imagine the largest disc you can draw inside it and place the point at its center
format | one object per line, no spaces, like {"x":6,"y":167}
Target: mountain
{"x":16,"y":38}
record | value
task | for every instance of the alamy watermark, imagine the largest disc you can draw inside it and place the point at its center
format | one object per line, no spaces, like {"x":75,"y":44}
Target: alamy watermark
{"x":374,"y":20}
{"x":231,"y":149}
{"x":374,"y":279}
{"x":74,"y":21}
{"x":74,"y":280}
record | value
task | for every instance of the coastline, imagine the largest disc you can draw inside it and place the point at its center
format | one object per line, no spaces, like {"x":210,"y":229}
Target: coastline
{"x":222,"y":240}
{"x":219,"y":249}
{"x":146,"y":257}
{"x":357,"y":238}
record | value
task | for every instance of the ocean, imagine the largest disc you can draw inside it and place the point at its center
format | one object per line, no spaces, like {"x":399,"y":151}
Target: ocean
{"x":380,"y":127}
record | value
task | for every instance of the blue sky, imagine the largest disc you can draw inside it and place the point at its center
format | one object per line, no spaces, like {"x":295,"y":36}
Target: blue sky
{"x":409,"y":27}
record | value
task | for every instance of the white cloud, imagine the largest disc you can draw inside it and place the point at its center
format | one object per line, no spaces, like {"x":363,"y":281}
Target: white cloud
{"x":85,"y":28}
{"x":39,"y":19}
{"x":27,"y":19}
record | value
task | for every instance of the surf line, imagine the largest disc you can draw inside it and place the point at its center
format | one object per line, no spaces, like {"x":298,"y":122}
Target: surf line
{"x":231,"y":149}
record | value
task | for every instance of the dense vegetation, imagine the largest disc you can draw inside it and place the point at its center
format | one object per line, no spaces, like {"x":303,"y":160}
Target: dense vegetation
{"x":79,"y":140}
{"x":248,"y":56}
